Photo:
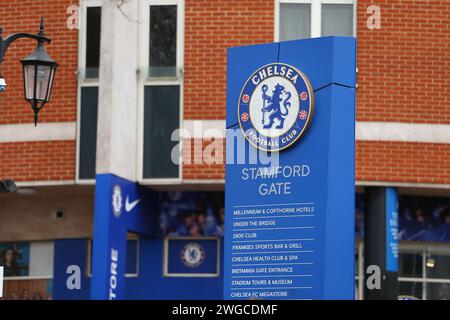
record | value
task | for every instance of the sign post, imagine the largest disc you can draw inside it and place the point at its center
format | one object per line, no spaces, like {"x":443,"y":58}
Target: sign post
{"x":289,"y":230}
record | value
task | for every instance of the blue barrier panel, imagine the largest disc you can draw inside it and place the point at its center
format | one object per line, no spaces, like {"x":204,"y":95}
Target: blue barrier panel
{"x":70,"y":279}
{"x":121,"y":206}
{"x":289,"y":227}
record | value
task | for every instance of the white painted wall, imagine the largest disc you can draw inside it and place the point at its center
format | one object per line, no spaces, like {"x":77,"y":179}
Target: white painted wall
{"x":46,"y":131}
{"x":404,"y":132}
{"x":30,"y":217}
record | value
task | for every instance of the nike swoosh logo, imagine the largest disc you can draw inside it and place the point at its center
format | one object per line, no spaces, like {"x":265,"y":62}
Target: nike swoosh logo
{"x":130,"y":206}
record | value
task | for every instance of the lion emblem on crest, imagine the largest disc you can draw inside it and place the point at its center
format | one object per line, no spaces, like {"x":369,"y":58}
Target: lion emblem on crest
{"x":278,"y":109}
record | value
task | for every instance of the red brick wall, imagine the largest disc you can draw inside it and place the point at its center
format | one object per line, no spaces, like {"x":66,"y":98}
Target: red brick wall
{"x":34,"y":161}
{"x":195,"y":150}
{"x":38,"y":161}
{"x":404,"y":76}
{"x":402,"y":162}
{"x":404,"y":68}
{"x":211,"y":27}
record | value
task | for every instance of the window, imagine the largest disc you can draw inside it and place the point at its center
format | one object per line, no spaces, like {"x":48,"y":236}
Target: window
{"x":28,"y":270}
{"x":423,"y":271}
{"x":88,"y":132}
{"x":301,"y":19}
{"x":161,"y":118}
{"x":161,"y":60}
{"x":163,"y":41}
{"x":337,"y":20}
{"x":410,"y":264}
{"x":295,"y":21}
{"x":29,"y":260}
{"x":89,"y":62}
{"x":93,"y":21}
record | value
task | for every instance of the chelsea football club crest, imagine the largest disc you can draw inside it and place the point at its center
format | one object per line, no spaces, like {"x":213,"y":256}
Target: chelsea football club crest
{"x":275,"y":107}
{"x":117,"y":200}
{"x":193,"y":255}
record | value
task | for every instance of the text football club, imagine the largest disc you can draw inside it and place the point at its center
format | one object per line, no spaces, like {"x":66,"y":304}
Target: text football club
{"x":275,"y":107}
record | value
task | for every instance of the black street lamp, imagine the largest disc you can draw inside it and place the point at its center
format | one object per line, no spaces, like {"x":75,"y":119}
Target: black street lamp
{"x":38,"y":69}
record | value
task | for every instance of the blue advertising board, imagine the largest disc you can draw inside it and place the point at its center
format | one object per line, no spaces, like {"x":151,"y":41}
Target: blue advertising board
{"x":391,"y":230}
{"x":121,"y":206}
{"x":71,"y":257}
{"x":289,"y":200}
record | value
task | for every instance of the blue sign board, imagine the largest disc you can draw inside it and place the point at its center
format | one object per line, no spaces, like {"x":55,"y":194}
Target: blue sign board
{"x":391,"y":230}
{"x":70,"y":260}
{"x":289,"y":227}
{"x":190,"y":256}
{"x":121,"y":206}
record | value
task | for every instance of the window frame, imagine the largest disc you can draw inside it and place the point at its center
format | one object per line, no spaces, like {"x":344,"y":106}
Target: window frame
{"x":420,"y":248}
{"x":89,"y":253}
{"x":82,"y":81}
{"x":359,"y":270}
{"x":424,"y":249}
{"x":316,"y":15}
{"x":143,"y":81}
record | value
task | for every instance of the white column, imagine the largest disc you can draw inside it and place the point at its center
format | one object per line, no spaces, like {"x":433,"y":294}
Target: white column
{"x":117,"y":104}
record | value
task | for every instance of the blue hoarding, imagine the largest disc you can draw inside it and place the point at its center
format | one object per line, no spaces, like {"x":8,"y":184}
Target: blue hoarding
{"x":121,"y":206}
{"x":391,"y":230}
{"x":289,"y":227}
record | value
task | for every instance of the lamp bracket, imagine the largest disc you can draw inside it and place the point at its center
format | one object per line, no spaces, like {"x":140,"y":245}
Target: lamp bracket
{"x":5,"y":43}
